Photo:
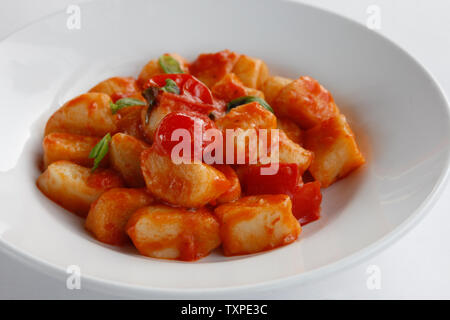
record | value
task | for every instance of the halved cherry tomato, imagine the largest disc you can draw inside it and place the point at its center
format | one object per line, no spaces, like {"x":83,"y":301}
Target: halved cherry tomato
{"x":183,"y":120}
{"x":189,"y":86}
{"x":306,"y":198}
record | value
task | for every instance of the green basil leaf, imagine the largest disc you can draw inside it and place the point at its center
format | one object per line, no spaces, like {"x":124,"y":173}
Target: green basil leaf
{"x":169,"y":64}
{"x":99,"y":151}
{"x":247,"y":99}
{"x":125,"y":102}
{"x":150,"y":94}
{"x":171,"y":87}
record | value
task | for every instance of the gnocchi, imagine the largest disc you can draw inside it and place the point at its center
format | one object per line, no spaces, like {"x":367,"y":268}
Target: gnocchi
{"x":75,"y":187}
{"x":165,"y":232}
{"x":153,"y":67}
{"x":125,"y":154}
{"x":109,"y":214}
{"x":306,"y":102}
{"x":291,"y":130}
{"x":335,"y":149}
{"x":211,"y":67}
{"x":118,"y":87}
{"x":230,"y":87}
{"x":173,"y":160}
{"x":72,"y":147}
{"x":189,"y":185}
{"x":252,"y":72}
{"x":256,"y":223}
{"x":88,"y":114}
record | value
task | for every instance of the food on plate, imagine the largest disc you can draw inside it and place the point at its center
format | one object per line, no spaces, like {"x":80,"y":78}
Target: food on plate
{"x":336,"y":153}
{"x":75,"y":187}
{"x":306,"y":102}
{"x":192,"y":156}
{"x":71,"y":147}
{"x":257,"y":223}
{"x":125,"y":157}
{"x":88,"y":114}
{"x":191,"y":185}
{"x":109,"y":214}
{"x":161,"y":231}
{"x":118,"y":88}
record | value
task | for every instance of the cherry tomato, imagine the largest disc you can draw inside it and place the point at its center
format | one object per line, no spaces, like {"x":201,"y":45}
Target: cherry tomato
{"x":189,"y":86}
{"x":189,"y":121}
{"x":283,"y":182}
{"x":176,"y":102}
{"x":306,"y":198}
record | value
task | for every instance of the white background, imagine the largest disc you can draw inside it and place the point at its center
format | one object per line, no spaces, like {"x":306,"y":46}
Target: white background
{"x":417,"y":266}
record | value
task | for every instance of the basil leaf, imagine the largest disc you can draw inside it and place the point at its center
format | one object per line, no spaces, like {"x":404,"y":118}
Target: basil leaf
{"x":169,"y":64}
{"x":171,"y":87}
{"x":150,"y":95}
{"x":247,"y":99}
{"x":99,"y":151}
{"x":125,"y":102}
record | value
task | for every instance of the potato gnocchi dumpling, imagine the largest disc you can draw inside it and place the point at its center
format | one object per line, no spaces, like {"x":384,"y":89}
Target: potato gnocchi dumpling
{"x":234,"y":192}
{"x":109,"y":214}
{"x":211,"y":67}
{"x":189,"y":185}
{"x":291,"y":152}
{"x":272,"y":87}
{"x":72,"y":147}
{"x":230,"y":88}
{"x":306,"y":102}
{"x":335,"y":149}
{"x":183,"y":159}
{"x":118,"y":88}
{"x":291,"y":129}
{"x":88,"y":114}
{"x":165,"y":232}
{"x":248,"y":116}
{"x":75,"y":187}
{"x":125,"y":154}
{"x":257,"y":223}
{"x":153,"y":67}
{"x":129,"y":121}
{"x":251,"y":71}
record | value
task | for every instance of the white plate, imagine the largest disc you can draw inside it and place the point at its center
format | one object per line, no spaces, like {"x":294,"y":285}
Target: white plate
{"x":397,"y":110}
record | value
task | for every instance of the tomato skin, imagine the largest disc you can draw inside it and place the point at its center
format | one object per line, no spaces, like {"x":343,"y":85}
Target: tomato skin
{"x":189,"y":86}
{"x":306,"y":198}
{"x":306,"y":202}
{"x":182,"y":120}
{"x":283,"y":182}
{"x":183,"y":102}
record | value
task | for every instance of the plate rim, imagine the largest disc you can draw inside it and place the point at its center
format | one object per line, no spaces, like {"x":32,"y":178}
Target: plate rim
{"x":363,"y":254}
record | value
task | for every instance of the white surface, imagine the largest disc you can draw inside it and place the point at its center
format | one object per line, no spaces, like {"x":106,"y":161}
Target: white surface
{"x":414,"y":267}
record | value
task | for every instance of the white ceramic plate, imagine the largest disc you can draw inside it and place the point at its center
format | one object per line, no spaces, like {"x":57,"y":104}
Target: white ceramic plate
{"x":397,"y":110}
